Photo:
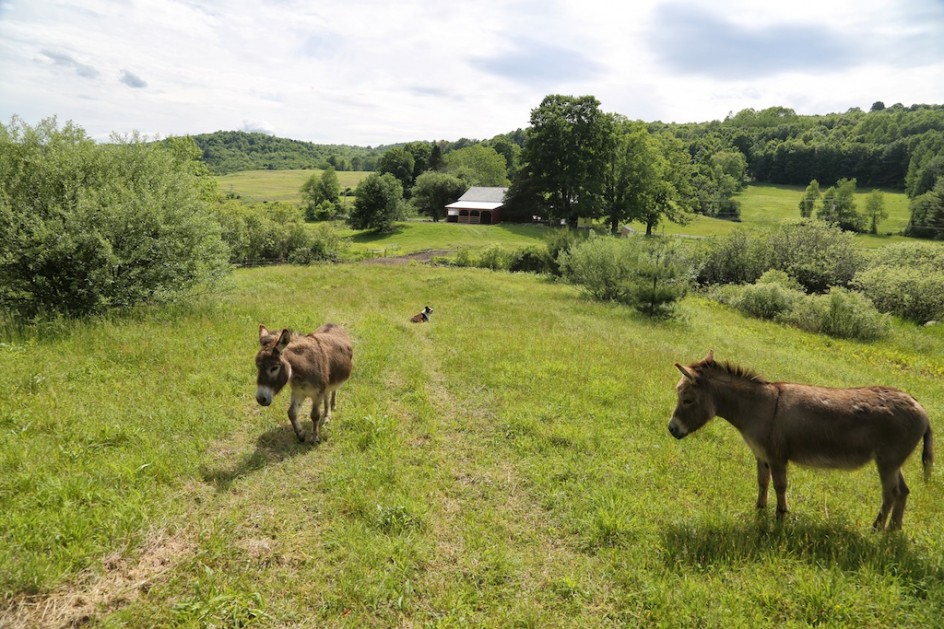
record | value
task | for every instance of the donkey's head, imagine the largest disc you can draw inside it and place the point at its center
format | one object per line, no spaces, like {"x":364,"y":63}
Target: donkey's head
{"x":695,"y":404}
{"x":273,"y":370}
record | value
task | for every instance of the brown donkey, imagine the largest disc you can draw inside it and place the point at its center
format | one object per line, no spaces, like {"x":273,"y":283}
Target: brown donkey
{"x":315,"y":365}
{"x":809,"y":425}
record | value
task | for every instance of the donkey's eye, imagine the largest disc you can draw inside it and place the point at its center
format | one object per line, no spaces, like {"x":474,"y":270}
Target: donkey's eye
{"x":274,"y":369}
{"x":688,"y":402}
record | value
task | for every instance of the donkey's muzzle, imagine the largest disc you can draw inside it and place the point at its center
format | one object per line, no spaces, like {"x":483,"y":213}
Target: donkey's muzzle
{"x":264,"y":396}
{"x":676,"y":430}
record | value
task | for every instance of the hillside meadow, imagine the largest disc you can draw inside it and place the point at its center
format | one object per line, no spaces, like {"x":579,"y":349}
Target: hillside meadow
{"x":507,"y":464}
{"x":762,"y":206}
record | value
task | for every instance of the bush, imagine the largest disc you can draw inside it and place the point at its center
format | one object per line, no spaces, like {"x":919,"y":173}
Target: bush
{"x":86,"y":227}
{"x":841,"y":313}
{"x":906,"y":280}
{"x":648,"y":275}
{"x":737,"y":258}
{"x":659,"y":280}
{"x":560,"y":243}
{"x":531,"y":259}
{"x":276,"y":232}
{"x":494,"y":258}
{"x":767,"y":300}
{"x":600,"y":266}
{"x":814,"y":254}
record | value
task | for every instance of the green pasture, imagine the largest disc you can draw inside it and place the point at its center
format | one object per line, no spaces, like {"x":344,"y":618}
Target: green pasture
{"x":765,"y":205}
{"x":416,"y":236}
{"x":259,"y":186}
{"x":507,"y":464}
{"x":762,"y":206}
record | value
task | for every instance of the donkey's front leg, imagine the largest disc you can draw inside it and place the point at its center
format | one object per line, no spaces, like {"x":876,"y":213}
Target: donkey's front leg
{"x":293,"y":417}
{"x":763,"y":483}
{"x":779,"y":471}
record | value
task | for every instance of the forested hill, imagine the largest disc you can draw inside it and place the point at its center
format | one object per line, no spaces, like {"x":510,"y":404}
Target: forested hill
{"x":897,"y":147}
{"x":889,"y":147}
{"x":233,"y":151}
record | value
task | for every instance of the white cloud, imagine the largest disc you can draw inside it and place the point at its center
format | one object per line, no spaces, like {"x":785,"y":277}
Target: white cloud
{"x":377,"y":72}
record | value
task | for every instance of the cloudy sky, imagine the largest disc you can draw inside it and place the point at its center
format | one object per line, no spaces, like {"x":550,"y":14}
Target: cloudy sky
{"x":369,"y":72}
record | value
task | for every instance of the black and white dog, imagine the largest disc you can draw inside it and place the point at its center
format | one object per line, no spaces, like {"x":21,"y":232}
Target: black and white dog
{"x":422,"y":317}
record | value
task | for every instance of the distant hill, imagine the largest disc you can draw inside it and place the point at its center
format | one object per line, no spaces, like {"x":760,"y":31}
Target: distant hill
{"x":234,"y":151}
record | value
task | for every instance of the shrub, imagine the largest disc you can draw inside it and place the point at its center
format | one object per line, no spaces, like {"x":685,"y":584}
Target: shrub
{"x":814,"y":254}
{"x":841,"y":313}
{"x":560,"y":243}
{"x":530,"y":259}
{"x":494,"y":258}
{"x":649,"y":275}
{"x":906,"y":280}
{"x":737,"y":258}
{"x":659,"y":280}
{"x":600,"y":266}
{"x":275,"y":232}
{"x":767,"y":300}
{"x":85,"y":227}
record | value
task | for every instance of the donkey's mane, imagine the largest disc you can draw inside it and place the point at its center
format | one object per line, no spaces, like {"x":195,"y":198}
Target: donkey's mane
{"x":731,"y":369}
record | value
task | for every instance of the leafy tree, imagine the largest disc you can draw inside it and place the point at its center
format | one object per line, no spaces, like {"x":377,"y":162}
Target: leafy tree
{"x":810,"y":197}
{"x":875,"y":210}
{"x":927,"y":213}
{"x":839,"y":208}
{"x":634,"y":174}
{"x":398,"y":162}
{"x":321,"y":194}
{"x":434,"y":191}
{"x":565,"y":155}
{"x":421,"y":152}
{"x":377,"y":203}
{"x":508,"y":149}
{"x":672,"y":196}
{"x":478,"y":165}
{"x":86,"y":227}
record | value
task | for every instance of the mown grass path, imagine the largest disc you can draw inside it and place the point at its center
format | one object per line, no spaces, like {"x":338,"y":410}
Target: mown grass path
{"x":506,"y":464}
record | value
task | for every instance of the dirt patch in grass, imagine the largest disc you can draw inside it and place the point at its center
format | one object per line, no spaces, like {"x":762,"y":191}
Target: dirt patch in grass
{"x":420,"y":256}
{"x":122,"y":581}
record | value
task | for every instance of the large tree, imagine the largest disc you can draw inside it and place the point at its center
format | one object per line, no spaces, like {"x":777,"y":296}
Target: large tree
{"x":377,"y":203}
{"x":839,"y":207}
{"x":875,"y":210}
{"x":434,"y":191}
{"x":399,"y":162}
{"x":321,"y":194}
{"x":565,"y":155}
{"x":478,"y":165}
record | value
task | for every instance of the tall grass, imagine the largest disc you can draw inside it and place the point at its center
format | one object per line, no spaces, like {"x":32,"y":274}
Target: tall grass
{"x":506,"y":464}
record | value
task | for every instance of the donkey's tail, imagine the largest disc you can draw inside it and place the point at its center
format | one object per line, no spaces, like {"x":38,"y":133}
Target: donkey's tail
{"x":927,"y":453}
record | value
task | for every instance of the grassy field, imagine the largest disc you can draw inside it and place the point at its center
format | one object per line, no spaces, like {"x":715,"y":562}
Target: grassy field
{"x":762,"y":206}
{"x":507,"y":464}
{"x":415,"y":236}
{"x":278,"y":185}
{"x":766,"y":205}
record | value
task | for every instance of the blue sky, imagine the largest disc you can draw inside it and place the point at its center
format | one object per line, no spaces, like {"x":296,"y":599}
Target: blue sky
{"x":378,"y":72}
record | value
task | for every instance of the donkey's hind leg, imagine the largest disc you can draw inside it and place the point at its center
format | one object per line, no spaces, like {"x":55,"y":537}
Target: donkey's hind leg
{"x":763,"y":483}
{"x":901,"y":499}
{"x":317,"y":417}
{"x":890,"y":490}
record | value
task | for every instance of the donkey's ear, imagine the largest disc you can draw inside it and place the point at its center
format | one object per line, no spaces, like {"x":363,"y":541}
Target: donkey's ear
{"x":263,"y":334}
{"x":685,"y":372}
{"x":710,"y":357}
{"x":283,"y":340}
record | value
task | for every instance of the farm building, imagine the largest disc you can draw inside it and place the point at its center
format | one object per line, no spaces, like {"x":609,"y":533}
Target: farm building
{"x":479,"y":205}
